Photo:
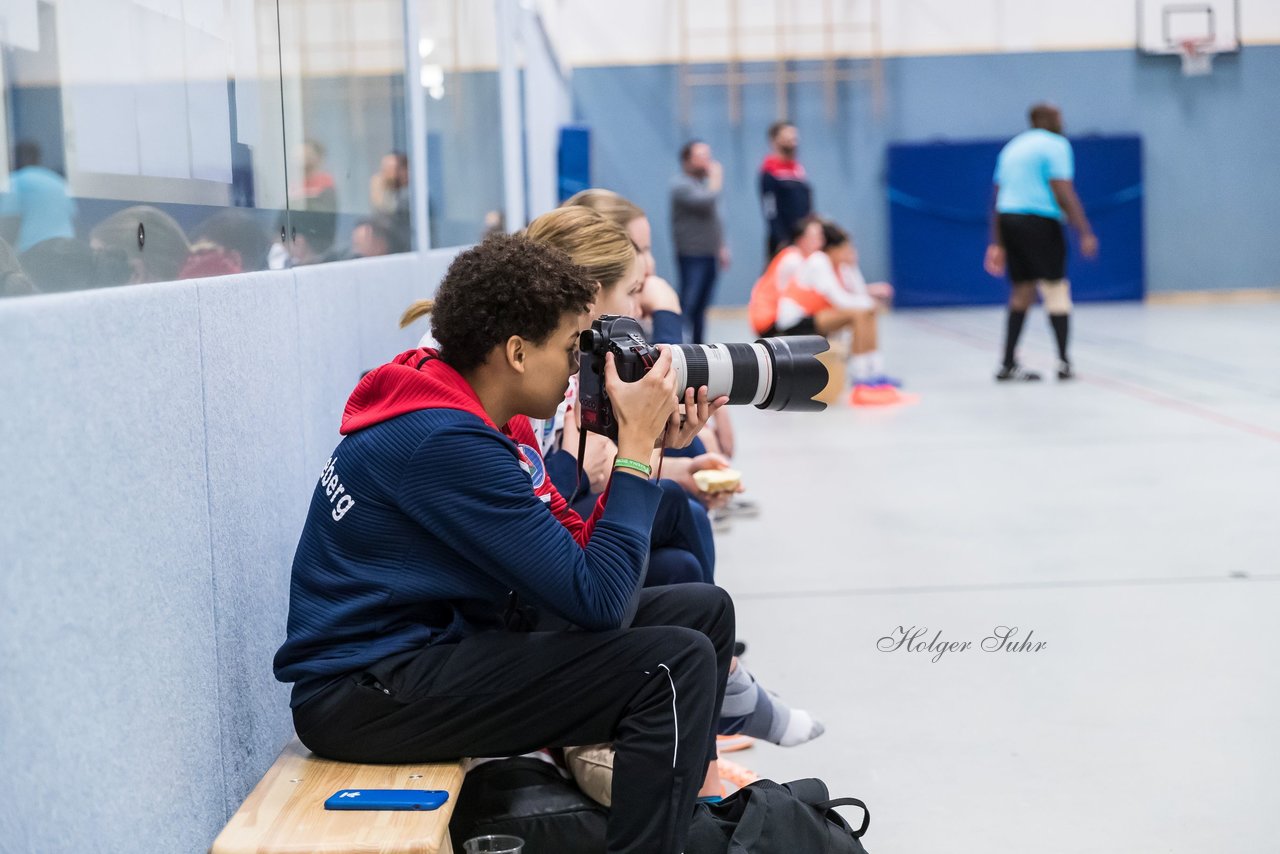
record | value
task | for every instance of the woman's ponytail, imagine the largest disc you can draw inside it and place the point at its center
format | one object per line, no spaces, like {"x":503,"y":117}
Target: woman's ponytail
{"x":419,"y":309}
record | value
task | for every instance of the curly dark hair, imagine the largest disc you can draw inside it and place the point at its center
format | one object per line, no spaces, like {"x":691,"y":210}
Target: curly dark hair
{"x":507,"y":285}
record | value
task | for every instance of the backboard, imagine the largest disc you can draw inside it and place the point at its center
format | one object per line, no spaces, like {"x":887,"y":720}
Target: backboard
{"x":1167,"y":27}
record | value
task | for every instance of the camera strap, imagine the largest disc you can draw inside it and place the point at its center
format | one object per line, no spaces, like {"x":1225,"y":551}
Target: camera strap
{"x":582,"y":451}
{"x":662,"y":451}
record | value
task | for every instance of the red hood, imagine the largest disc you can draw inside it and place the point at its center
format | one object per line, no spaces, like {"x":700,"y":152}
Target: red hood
{"x":402,"y":386}
{"x":783,"y":169}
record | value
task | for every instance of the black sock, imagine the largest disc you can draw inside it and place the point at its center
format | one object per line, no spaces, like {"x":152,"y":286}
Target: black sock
{"x":1012,"y":332}
{"x":1061,"y":326}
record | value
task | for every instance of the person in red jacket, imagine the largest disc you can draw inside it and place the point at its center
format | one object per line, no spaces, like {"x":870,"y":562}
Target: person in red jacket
{"x":435,"y":541}
{"x":785,"y":194}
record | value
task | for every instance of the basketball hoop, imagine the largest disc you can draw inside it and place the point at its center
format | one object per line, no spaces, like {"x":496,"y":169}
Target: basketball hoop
{"x":1197,"y":58}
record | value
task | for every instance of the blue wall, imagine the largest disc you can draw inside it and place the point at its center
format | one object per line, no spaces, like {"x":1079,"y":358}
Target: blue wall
{"x":164,"y":440}
{"x":1212,"y":146}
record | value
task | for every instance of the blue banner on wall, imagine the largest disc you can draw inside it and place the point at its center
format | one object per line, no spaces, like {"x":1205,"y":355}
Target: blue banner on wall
{"x":574,"y":159}
{"x":939,"y":203}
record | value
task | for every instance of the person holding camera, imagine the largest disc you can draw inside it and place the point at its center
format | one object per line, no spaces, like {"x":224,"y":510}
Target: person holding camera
{"x":681,"y":540}
{"x":602,"y":248}
{"x":431,"y":530}
{"x":657,"y":306}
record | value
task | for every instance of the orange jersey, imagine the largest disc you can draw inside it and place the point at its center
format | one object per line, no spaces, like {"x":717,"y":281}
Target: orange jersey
{"x":762,"y":309}
{"x":810,"y":301}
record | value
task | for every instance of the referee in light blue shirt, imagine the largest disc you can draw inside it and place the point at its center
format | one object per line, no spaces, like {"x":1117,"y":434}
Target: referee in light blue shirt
{"x":1033,"y":195}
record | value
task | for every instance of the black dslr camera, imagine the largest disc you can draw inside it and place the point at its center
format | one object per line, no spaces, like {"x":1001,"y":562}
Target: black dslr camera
{"x":773,"y":373}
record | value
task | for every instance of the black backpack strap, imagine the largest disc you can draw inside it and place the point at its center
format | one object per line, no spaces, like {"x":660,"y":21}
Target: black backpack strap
{"x":810,"y":790}
{"x":848,"y":802}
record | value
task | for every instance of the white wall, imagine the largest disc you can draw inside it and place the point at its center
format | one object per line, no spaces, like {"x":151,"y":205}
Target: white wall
{"x":622,"y":32}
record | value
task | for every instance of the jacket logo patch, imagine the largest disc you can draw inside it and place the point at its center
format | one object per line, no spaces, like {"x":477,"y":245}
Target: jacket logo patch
{"x":531,"y":462}
{"x":333,"y":490}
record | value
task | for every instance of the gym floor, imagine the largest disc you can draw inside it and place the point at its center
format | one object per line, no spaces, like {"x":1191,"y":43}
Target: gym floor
{"x":1128,"y":521}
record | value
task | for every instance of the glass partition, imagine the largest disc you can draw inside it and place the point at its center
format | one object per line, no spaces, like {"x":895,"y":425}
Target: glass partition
{"x":458,"y":47}
{"x":345,"y":130}
{"x":155,"y":140}
{"x":141,"y":141}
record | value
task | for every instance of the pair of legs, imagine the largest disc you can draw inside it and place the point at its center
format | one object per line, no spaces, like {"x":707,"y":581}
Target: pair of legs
{"x":697,"y":285}
{"x":865,"y":362}
{"x":654,"y":690}
{"x":1056,"y":295}
{"x":862,"y":321}
{"x":1036,"y":250}
{"x":682,"y":551}
{"x":683,"y":546}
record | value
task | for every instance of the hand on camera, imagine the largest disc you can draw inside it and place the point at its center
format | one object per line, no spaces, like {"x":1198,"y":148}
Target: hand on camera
{"x":696,"y":412}
{"x":642,"y":408}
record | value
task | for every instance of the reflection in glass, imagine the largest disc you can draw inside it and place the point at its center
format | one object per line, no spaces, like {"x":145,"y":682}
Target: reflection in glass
{"x":37,"y":198}
{"x":459,"y":82}
{"x":142,"y":143}
{"x":344,"y":120}
{"x":151,"y":140}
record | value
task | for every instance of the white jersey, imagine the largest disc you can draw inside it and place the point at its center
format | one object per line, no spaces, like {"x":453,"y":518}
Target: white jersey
{"x":817,"y":276}
{"x":550,"y":431}
{"x":789,"y":267}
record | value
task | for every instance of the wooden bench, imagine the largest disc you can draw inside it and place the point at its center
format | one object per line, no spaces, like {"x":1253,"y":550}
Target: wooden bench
{"x":285,"y":814}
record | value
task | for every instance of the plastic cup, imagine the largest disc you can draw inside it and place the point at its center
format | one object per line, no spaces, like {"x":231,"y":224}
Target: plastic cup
{"x":494,"y":845}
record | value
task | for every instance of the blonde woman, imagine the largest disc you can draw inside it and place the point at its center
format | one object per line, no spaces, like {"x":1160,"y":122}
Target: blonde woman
{"x":683,"y":549}
{"x":659,"y":306}
{"x":657,"y":302}
{"x":748,"y":708}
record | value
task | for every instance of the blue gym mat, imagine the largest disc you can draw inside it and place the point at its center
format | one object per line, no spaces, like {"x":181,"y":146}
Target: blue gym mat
{"x":939,"y":202}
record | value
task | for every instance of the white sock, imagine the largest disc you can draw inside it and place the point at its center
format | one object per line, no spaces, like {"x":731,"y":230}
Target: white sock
{"x":860,"y":367}
{"x":877,"y":363}
{"x":801,"y":727}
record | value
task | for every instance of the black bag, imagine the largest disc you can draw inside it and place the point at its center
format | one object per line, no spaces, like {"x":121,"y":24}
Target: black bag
{"x":528,"y":798}
{"x":767,"y":818}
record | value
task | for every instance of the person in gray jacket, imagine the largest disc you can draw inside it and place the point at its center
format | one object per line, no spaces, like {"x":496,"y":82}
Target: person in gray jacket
{"x":698,"y":232}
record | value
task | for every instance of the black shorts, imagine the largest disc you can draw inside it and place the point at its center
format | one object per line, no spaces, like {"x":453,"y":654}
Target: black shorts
{"x":806,"y":326}
{"x":1035,"y":247}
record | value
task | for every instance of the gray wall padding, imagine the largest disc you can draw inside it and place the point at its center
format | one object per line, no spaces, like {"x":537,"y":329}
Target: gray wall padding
{"x":159,"y":445}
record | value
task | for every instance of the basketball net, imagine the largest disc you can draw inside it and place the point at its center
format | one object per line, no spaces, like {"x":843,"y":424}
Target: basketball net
{"x":1197,"y":61}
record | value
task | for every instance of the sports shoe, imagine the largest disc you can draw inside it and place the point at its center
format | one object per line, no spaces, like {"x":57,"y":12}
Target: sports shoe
{"x":874,"y":395}
{"x":735,"y":775}
{"x":1017,"y":373}
{"x":884,"y":379}
{"x":1065,"y":372}
{"x":733,"y":743}
{"x":721,"y":522}
{"x":740,"y":508}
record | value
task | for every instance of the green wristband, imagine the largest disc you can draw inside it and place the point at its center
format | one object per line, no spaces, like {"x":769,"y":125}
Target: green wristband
{"x":634,"y":465}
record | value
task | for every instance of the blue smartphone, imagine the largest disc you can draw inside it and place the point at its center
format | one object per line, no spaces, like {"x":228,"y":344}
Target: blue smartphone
{"x":386,"y":799}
